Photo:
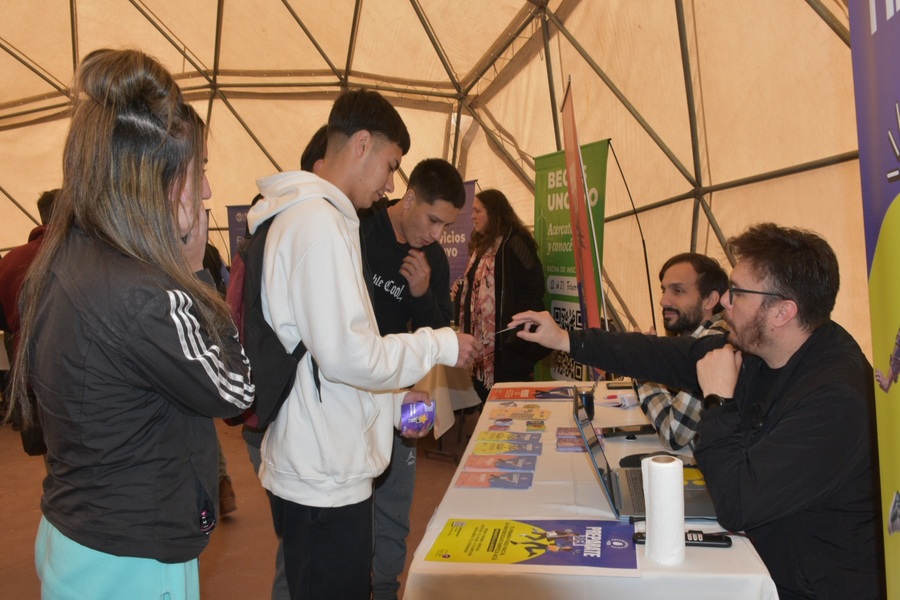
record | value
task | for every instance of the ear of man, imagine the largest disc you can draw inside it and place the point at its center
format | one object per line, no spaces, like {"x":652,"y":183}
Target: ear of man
{"x":409,"y":198}
{"x":362,"y":141}
{"x":785,"y":312}
{"x":711,"y":300}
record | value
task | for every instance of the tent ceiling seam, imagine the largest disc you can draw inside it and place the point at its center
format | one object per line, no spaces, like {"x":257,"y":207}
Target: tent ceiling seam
{"x":351,"y":43}
{"x":173,"y":40}
{"x":700,"y":116}
{"x":29,"y":64}
{"x":314,"y":41}
{"x":506,"y":39}
{"x":220,"y":9}
{"x":19,"y":206}
{"x":836,"y":26}
{"x":554,"y":109}
{"x":491,"y":136}
{"x":743,"y":181}
{"x":622,"y":99}
{"x":436,"y":44}
{"x":73,"y":28}
{"x":249,"y":131}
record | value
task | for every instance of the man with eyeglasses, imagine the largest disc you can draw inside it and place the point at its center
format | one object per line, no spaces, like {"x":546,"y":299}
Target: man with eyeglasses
{"x":692,"y":286}
{"x":786,"y":441}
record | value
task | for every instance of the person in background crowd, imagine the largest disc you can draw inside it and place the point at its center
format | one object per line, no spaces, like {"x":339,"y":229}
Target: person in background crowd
{"x":410,"y":278}
{"x":504,"y":276}
{"x":692,"y":285}
{"x":212,"y":262}
{"x":334,"y":433}
{"x":130,"y":354}
{"x":13,"y":268}
{"x":786,"y":440}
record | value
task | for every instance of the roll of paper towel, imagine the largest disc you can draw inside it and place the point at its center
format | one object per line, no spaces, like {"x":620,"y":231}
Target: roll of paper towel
{"x":664,"y":499}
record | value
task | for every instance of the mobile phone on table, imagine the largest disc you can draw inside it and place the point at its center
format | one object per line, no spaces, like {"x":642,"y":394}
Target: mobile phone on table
{"x":694,"y":538}
{"x":626,"y":431}
{"x":620,"y":385}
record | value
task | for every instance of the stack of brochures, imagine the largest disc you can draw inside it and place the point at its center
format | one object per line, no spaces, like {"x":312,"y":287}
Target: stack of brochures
{"x":501,"y":459}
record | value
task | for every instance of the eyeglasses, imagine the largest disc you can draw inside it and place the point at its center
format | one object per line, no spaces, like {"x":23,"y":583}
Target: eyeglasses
{"x":732,"y":290}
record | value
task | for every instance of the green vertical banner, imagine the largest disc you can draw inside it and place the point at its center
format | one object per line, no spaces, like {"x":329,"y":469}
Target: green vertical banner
{"x":553,"y":232}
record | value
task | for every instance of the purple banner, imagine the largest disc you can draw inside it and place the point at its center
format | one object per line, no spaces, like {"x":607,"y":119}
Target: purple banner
{"x":455,"y":240}
{"x":237,"y":226}
{"x":875,"y":39}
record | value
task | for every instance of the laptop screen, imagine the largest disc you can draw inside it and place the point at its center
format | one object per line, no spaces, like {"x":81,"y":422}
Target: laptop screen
{"x":594,"y":447}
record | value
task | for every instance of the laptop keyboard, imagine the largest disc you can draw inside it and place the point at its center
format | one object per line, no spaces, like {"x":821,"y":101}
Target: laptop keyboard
{"x":636,"y":488}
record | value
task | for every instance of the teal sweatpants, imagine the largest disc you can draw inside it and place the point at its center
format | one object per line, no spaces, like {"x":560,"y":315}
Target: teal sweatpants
{"x":70,"y":571}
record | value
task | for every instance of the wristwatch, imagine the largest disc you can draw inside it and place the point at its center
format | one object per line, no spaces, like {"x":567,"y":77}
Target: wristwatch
{"x":714,"y":401}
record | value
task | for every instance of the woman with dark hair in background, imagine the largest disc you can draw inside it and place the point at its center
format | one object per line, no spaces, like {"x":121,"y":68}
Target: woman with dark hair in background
{"x":129,"y":353}
{"x":504,"y":275}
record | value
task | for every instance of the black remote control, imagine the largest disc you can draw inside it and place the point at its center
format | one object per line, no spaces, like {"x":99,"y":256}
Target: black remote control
{"x":620,"y":385}
{"x":694,"y":538}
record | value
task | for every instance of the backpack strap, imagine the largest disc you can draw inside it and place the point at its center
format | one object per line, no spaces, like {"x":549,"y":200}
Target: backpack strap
{"x":298,"y":353}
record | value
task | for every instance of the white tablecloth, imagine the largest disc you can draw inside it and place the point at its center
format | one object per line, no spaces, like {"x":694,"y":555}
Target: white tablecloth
{"x":565,"y":486}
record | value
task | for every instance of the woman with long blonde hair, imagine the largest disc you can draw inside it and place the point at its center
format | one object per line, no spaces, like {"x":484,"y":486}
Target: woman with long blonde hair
{"x":128,"y":351}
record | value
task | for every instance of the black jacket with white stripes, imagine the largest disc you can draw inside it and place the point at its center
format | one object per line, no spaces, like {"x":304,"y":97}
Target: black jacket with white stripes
{"x":127,"y":382}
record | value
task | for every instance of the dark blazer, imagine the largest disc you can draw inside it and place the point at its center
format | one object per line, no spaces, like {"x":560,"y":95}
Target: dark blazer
{"x":519,"y":286}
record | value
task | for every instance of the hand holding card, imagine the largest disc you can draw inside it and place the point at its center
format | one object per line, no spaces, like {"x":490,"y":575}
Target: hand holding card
{"x":416,"y":418}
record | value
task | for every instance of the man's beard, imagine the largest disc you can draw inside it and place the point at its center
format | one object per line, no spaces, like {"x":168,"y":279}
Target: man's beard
{"x":752,"y":336}
{"x":683,"y":323}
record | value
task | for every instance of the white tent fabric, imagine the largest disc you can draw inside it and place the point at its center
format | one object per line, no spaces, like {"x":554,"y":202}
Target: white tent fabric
{"x":721,"y":113}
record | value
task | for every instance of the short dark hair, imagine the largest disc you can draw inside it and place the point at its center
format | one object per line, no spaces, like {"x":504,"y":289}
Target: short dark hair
{"x":358,"y":110}
{"x":435,"y":179}
{"x":315,"y":149}
{"x":45,"y":205}
{"x":798,"y":264}
{"x":711,"y":277}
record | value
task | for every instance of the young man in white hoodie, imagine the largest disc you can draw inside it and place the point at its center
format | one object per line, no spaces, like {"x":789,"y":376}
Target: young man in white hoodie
{"x":333,"y":435}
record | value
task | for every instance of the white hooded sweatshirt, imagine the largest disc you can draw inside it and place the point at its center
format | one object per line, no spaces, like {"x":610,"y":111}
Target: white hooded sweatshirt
{"x":325,"y":447}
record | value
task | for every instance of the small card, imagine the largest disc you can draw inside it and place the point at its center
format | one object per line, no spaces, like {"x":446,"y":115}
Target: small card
{"x":495,"y":480}
{"x":508,"y":436}
{"x":510,"y":448}
{"x":500,"y":463}
{"x":522,"y":414}
{"x":416,"y":417}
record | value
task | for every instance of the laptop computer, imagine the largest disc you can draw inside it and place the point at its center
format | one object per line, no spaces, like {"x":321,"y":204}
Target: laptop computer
{"x":624,"y":487}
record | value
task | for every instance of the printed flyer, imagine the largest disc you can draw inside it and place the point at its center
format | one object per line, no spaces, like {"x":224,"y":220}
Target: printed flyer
{"x":500,"y":463}
{"x":508,"y":436}
{"x":526,"y":413}
{"x":550,"y":544}
{"x":495,"y":480}
{"x":512,"y":448}
{"x":530,"y":392}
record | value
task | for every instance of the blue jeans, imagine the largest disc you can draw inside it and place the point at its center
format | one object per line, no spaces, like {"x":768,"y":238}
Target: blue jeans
{"x":393,"y":499}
